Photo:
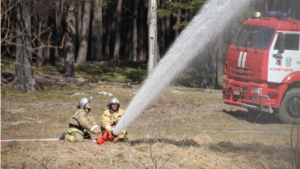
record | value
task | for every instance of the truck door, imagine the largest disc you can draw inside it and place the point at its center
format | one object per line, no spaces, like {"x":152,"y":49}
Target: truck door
{"x":280,"y":65}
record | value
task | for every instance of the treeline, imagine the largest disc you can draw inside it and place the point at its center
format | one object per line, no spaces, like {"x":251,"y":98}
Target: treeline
{"x":75,"y":31}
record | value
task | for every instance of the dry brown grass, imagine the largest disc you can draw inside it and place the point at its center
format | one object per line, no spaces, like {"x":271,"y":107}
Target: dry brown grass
{"x":181,"y":129}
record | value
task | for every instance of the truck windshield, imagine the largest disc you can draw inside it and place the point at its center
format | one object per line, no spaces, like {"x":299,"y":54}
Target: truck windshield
{"x":254,"y":37}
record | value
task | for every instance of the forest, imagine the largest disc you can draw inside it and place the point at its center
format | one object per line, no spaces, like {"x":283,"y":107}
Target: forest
{"x":72,"y":33}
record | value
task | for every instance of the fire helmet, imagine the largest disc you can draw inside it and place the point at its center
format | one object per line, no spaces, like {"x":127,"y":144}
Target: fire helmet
{"x":83,"y":102}
{"x":114,"y":101}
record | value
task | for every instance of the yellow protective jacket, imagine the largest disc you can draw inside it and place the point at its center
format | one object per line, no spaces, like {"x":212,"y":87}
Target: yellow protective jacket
{"x":83,"y":119}
{"x":109,"y":119}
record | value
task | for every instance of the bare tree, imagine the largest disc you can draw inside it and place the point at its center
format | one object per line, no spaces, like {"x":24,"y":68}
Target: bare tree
{"x":143,"y":30}
{"x":178,"y":20}
{"x":79,"y":20}
{"x":135,"y":31}
{"x":78,"y":14}
{"x":152,"y":35}
{"x":8,"y":34}
{"x":24,"y":79}
{"x":70,"y":41}
{"x":117,"y":32}
{"x":59,"y":30}
{"x":97,"y":30}
{"x":41,"y":54}
{"x":83,"y":47}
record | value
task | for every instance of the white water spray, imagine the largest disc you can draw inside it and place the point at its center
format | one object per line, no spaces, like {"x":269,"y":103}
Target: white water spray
{"x":204,"y":27}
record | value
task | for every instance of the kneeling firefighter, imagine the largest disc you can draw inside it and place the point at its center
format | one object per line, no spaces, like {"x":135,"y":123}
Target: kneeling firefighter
{"x":81,"y":122}
{"x":109,"y":120}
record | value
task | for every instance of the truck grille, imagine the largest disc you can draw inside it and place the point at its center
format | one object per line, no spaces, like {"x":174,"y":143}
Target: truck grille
{"x":242,"y":72}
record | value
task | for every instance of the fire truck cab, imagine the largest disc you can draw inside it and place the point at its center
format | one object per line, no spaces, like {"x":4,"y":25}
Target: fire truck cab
{"x":263,"y":66}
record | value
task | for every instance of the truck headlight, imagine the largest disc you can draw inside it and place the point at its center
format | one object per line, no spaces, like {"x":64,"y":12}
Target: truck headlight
{"x":257,"y":89}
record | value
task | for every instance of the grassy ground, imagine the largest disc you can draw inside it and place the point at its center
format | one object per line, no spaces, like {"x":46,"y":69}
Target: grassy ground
{"x":109,"y":72}
{"x":181,"y":129}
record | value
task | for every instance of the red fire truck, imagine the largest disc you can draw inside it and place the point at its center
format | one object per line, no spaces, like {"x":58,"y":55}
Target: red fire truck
{"x":263,"y":66}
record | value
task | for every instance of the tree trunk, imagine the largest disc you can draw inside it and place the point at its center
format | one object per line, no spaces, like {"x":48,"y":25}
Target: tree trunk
{"x":143,"y":31}
{"x":266,"y":6}
{"x":118,"y":32}
{"x":42,"y":41}
{"x":24,"y":79}
{"x":178,"y":21}
{"x":97,"y":31}
{"x":126,"y":50}
{"x":168,"y":34}
{"x":161,"y":30}
{"x":58,"y":31}
{"x":295,"y":9}
{"x":83,"y":47}
{"x":78,"y":25}
{"x":152,"y":36}
{"x":135,"y":31}
{"x":107,"y":45}
{"x":69,"y":47}
{"x":214,"y":60}
{"x":107,"y":27}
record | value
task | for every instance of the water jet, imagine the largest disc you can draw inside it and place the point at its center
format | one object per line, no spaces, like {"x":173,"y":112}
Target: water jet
{"x":203,"y":28}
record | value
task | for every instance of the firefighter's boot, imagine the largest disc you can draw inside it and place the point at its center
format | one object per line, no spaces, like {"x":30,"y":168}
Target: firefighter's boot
{"x":62,"y":137}
{"x":122,"y":136}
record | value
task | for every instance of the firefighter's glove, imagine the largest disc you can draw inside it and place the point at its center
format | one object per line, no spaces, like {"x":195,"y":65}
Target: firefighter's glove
{"x":98,"y":134}
{"x":103,"y":139}
{"x":111,"y":136}
{"x":121,"y":137}
{"x":95,"y":129}
{"x":109,"y":128}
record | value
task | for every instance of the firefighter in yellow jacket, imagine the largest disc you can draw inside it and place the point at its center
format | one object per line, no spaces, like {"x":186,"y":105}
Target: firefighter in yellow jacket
{"x":111,"y":116}
{"x":81,"y":122}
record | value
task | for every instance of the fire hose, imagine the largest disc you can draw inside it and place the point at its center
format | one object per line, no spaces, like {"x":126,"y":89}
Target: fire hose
{"x":37,"y":140}
{"x":106,"y":136}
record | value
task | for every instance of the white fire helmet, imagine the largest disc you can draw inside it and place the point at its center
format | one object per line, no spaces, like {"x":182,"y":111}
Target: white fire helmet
{"x":114,"y":101}
{"x":83,"y":102}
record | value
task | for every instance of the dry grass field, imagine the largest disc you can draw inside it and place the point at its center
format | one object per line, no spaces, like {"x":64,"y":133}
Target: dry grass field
{"x":182,"y":129}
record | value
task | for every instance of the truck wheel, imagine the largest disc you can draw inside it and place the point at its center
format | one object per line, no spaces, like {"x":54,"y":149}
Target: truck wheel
{"x":289,"y":111}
